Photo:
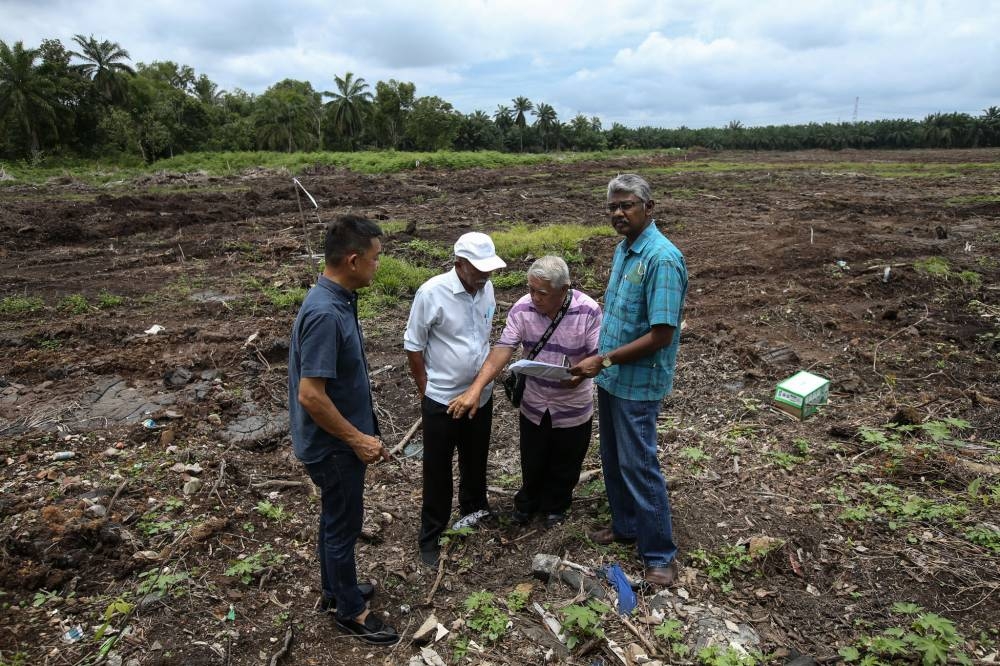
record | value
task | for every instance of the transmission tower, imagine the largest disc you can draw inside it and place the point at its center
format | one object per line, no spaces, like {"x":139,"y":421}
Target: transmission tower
{"x":854,"y":118}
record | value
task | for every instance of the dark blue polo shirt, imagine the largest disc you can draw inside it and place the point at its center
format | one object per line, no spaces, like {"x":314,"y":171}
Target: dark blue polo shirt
{"x":327,"y":342}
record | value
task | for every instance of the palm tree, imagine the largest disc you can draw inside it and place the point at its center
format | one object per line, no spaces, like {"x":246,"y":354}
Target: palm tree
{"x":26,"y":97}
{"x":522,"y":105}
{"x":103,"y":65}
{"x":503,"y":117}
{"x":207,"y":91}
{"x":349,"y":105}
{"x":545,"y":121}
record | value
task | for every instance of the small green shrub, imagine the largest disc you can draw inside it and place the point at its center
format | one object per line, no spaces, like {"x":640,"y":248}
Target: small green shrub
{"x":249,"y":567}
{"x":107,"y":300}
{"x":74,"y":304}
{"x":509,"y":280}
{"x":929,"y":638}
{"x":933,"y":266}
{"x":485,"y":616}
{"x":582,"y":623}
{"x":20,"y":304}
{"x":275,"y":512}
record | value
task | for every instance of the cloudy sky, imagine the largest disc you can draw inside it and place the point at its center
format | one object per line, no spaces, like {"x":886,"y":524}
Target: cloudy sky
{"x":681,"y":62}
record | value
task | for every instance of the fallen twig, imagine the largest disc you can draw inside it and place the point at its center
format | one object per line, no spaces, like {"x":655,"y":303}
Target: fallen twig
{"x":407,"y":437}
{"x":284,"y":647}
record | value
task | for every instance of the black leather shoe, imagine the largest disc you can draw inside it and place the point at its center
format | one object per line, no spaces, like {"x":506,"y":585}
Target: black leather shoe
{"x":554,"y":519}
{"x":430,"y":558}
{"x":330,"y":604}
{"x":373,"y":630}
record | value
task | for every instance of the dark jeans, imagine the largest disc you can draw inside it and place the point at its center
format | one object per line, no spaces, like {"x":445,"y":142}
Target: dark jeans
{"x":442,"y":436}
{"x":341,"y":479}
{"x":550,"y":465}
{"x":637,"y":491}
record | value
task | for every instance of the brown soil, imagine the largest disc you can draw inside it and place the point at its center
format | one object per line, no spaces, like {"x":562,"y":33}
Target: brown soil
{"x":767,"y":297}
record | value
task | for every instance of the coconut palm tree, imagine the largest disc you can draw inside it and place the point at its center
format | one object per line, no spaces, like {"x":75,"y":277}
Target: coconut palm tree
{"x":349,"y":105}
{"x":103,"y":64}
{"x":27,"y":99}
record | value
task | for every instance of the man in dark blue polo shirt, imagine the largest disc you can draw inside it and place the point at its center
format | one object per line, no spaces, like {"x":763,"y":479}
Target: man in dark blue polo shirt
{"x":332,"y":420}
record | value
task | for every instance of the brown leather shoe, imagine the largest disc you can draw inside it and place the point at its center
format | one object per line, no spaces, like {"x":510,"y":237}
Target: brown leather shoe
{"x":606,"y":536}
{"x":662,"y":576}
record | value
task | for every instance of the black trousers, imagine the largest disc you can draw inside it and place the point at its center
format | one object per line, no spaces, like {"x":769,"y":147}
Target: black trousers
{"x":443,"y":435}
{"x":551,"y":459}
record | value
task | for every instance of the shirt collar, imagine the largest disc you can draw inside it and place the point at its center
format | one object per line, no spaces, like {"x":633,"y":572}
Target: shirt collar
{"x":336,"y":289}
{"x":643,"y":238}
{"x":456,"y":283}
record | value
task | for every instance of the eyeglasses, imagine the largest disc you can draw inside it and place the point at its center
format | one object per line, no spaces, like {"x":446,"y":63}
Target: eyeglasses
{"x":625,"y":206}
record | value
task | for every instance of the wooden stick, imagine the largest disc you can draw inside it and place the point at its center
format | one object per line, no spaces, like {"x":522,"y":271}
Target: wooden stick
{"x":406,"y":438}
{"x":639,"y":635}
{"x":284,"y":648}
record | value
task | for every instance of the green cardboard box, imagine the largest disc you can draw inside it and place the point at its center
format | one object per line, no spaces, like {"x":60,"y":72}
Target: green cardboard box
{"x":802,"y":394}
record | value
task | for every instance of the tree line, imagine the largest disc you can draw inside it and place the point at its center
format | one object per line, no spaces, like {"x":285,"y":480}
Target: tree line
{"x":89,"y":101}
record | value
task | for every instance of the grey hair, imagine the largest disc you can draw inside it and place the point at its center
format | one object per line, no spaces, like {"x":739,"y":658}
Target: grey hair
{"x":631,"y":183}
{"x":552,"y":269}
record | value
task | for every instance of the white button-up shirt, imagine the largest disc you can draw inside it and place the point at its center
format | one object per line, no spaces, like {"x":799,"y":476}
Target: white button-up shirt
{"x":451,"y":327}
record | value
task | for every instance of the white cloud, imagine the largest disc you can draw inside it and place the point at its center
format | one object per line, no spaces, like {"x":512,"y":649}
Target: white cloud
{"x":688,"y":62}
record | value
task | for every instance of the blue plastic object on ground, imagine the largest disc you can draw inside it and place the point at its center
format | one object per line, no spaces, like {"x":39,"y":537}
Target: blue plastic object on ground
{"x":626,"y":596}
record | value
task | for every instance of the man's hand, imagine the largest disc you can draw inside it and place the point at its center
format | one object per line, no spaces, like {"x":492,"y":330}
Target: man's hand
{"x":588,"y":367}
{"x":369,"y":449}
{"x":466,"y":404}
{"x":572,"y":382}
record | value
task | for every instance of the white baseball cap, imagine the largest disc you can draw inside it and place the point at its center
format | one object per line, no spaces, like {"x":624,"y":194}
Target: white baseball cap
{"x":478,"y":248}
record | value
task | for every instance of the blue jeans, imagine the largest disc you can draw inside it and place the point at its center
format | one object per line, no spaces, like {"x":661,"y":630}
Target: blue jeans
{"x":341,"y":479}
{"x":637,"y":491}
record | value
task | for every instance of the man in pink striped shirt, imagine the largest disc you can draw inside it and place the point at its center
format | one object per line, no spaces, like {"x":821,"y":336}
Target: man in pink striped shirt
{"x":555,"y":416}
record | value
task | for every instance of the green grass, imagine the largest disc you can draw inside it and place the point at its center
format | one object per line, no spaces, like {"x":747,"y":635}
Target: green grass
{"x":508,"y":280}
{"x":520,"y":240}
{"x":880,"y":169}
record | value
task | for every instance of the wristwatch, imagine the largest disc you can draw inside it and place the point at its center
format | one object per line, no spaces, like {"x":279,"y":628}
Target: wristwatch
{"x":606,"y":362}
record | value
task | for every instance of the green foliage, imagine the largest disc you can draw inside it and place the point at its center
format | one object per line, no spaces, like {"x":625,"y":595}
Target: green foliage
{"x":784,"y":460}
{"x":106,"y":300}
{"x":517,"y":600}
{"x":713,"y":655}
{"x":985,"y":536}
{"x":248,"y":567}
{"x":721,"y":565}
{"x":582,"y":622}
{"x":74,"y":304}
{"x":970,"y":278}
{"x":42,"y":597}
{"x":669,"y":631}
{"x":15,"y":659}
{"x":485,"y":616}
{"x":161,"y":582}
{"x":508,"y":280}
{"x":273,"y":511}
{"x":20,"y":305}
{"x":450,"y":535}
{"x":928,"y":637}
{"x":694,"y":454}
{"x":117,"y":607}
{"x":434,"y":251}
{"x":933,"y":266}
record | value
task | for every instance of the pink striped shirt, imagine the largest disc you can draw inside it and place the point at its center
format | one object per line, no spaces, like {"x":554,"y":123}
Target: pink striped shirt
{"x":574,"y":339}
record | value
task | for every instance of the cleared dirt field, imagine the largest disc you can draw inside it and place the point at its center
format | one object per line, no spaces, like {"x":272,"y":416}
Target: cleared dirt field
{"x":876,"y":270}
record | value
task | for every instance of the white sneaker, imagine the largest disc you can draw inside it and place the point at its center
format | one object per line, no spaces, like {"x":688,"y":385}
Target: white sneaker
{"x":470,"y":520}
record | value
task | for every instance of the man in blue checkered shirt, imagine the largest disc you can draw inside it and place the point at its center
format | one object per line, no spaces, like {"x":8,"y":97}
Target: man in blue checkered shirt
{"x":634,"y":370}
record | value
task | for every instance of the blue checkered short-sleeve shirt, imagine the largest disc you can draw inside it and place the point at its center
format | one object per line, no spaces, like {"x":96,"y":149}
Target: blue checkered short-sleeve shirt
{"x":647,"y":287}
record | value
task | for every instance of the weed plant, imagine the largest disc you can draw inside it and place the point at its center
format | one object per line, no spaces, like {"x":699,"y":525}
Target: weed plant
{"x":20,"y":304}
{"x":521,"y":241}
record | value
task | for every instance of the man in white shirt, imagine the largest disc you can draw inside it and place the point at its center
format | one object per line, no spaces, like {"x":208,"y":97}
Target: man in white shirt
{"x":447,"y":339}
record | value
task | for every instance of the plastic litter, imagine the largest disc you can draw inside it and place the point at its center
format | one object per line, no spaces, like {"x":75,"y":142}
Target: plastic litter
{"x":149,"y":424}
{"x":154,"y":329}
{"x":63,"y":455}
{"x":73,"y":634}
{"x":618,"y":579}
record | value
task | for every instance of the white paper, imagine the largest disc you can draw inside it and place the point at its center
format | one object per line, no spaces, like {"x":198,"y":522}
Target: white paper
{"x":542,"y":370}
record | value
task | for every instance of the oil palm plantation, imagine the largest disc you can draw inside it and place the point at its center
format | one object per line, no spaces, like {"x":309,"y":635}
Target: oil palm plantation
{"x":349,"y":106}
{"x":103,"y":63}
{"x":27,"y":98}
